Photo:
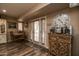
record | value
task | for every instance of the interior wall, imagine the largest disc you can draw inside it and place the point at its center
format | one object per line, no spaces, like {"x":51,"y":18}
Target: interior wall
{"x":74,"y":21}
{"x":29,"y":31}
{"x":25,"y":26}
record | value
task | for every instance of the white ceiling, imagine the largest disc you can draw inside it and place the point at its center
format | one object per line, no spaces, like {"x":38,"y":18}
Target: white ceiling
{"x":48,"y":9}
{"x":18,"y":9}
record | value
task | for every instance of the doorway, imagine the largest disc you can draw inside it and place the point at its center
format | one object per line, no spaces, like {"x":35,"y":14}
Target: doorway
{"x":38,"y":31}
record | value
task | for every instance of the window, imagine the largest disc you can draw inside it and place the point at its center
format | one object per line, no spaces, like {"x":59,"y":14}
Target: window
{"x":43,"y":29}
{"x":36,"y":31}
{"x":20,"y":26}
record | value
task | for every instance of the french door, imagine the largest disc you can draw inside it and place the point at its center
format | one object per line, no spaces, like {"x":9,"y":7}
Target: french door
{"x":38,"y":31}
{"x":43,"y":31}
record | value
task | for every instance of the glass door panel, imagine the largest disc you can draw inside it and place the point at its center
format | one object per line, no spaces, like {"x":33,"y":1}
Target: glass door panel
{"x":36,"y":31}
{"x":43,"y":29}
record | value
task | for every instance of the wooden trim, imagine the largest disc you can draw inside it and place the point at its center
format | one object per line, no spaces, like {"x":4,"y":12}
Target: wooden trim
{"x":36,"y":19}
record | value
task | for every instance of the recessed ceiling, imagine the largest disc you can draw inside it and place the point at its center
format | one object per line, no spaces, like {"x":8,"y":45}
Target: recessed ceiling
{"x":17,"y":9}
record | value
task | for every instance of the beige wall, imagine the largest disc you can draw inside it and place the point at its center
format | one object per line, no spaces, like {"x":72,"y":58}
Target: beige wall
{"x":74,"y":20}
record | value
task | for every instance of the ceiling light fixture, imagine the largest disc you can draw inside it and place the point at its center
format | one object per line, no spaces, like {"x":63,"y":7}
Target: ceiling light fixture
{"x":4,"y":10}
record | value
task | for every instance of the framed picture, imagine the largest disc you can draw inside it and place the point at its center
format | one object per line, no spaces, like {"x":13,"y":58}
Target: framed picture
{"x":12,"y":25}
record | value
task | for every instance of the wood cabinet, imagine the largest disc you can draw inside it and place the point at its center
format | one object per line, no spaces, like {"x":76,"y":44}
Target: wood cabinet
{"x":59,"y":44}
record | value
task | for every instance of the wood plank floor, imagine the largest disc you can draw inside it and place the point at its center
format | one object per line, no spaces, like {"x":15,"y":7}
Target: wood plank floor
{"x":21,"y":49}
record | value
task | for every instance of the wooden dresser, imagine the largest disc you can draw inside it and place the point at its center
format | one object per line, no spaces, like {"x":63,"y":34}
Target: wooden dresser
{"x":59,"y":44}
